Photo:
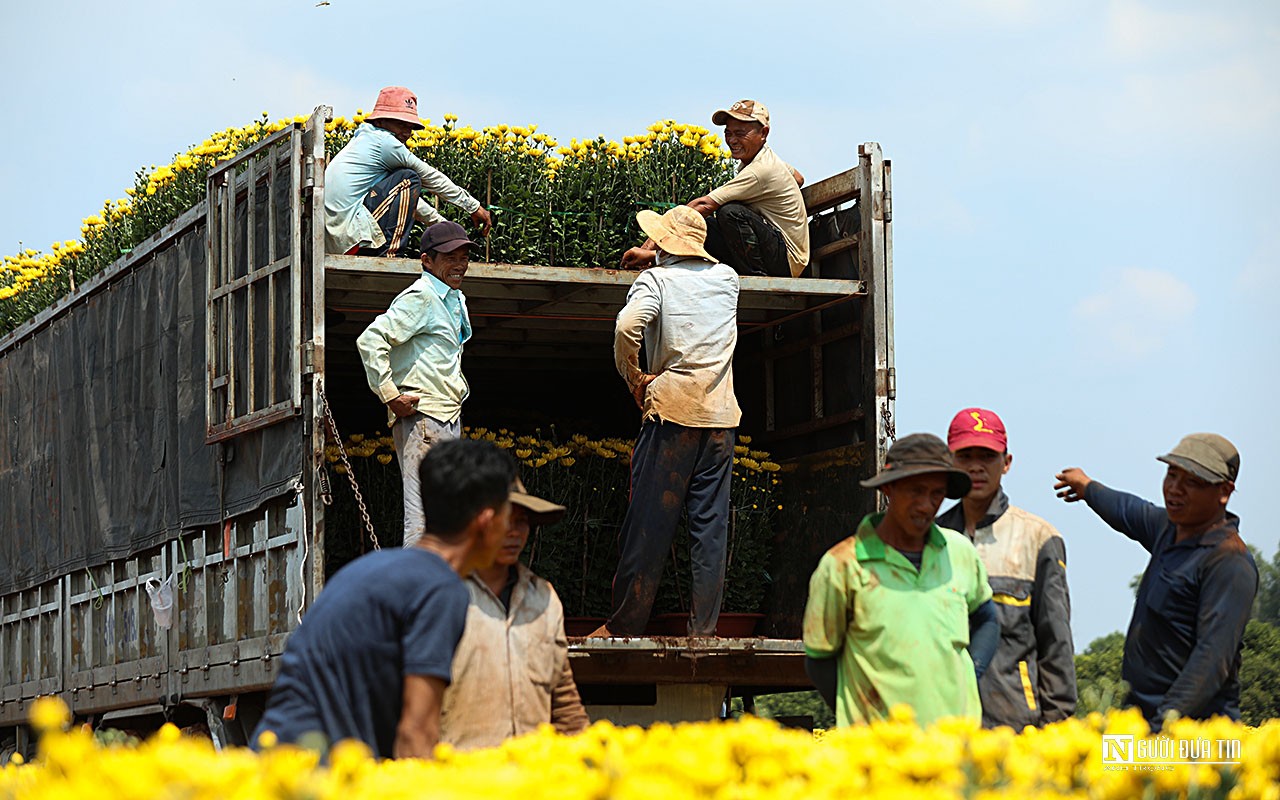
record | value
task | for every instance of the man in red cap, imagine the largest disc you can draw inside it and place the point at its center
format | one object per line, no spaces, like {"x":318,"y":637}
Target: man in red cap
{"x":1032,"y":678}
{"x":374,"y":184}
{"x":1182,"y":653}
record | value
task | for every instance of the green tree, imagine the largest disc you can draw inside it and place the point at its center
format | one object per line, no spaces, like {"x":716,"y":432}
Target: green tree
{"x":1098,"y":682}
{"x":1260,"y":673}
{"x":1266,"y":605}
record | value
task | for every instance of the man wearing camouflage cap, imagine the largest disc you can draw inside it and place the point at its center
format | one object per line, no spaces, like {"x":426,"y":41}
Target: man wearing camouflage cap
{"x":1182,"y":652}
{"x":757,"y":222}
{"x":901,"y":612}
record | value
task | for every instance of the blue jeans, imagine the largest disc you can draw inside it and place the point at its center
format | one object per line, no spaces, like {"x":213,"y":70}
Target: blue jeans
{"x":414,"y":437}
{"x":674,"y":469}
{"x":392,"y":201}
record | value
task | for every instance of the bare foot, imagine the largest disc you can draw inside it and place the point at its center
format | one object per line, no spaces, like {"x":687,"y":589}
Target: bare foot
{"x":600,"y":633}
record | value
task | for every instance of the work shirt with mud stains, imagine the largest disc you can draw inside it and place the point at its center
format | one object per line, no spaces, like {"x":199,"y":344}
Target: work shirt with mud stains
{"x":370,"y":156}
{"x":415,"y":347}
{"x":511,"y":669}
{"x":1032,"y":676}
{"x":901,"y":635}
{"x":1183,"y":649}
{"x":686,"y":312}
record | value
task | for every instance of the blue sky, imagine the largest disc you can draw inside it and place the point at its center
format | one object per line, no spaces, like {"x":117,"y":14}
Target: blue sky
{"x":1084,"y":239}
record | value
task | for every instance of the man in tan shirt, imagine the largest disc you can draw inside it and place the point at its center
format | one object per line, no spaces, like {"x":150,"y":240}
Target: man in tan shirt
{"x":511,"y":669}
{"x":685,"y":311}
{"x":756,"y":223}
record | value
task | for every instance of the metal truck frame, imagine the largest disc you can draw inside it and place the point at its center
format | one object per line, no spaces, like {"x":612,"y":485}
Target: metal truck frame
{"x":243,"y":584}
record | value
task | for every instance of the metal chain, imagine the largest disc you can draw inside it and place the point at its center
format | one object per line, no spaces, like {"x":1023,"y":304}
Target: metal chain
{"x":346,"y":463}
{"x":890,"y":429}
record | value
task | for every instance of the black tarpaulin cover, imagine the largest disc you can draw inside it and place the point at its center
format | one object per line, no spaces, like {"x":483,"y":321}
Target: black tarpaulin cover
{"x":102,"y":428}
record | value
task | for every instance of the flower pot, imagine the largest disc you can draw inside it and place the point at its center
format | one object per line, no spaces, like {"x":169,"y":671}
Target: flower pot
{"x":737,"y":625}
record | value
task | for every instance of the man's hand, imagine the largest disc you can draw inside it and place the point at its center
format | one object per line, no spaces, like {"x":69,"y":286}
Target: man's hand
{"x":641,"y":387}
{"x":704,"y":205}
{"x":406,"y":405}
{"x":1071,"y":484}
{"x":482,"y":220}
{"x":638,"y":258}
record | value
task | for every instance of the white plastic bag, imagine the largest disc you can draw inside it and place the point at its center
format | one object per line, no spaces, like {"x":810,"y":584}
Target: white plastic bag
{"x":161,"y":601}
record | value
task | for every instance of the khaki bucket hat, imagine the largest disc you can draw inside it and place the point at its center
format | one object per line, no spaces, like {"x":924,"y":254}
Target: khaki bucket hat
{"x":921,"y":454}
{"x":541,"y":512}
{"x":681,"y":231}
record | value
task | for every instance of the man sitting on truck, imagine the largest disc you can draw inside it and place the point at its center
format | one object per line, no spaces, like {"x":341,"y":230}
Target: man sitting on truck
{"x":901,"y":612}
{"x":685,"y":310}
{"x":374,"y":184}
{"x":511,"y":669}
{"x":412,"y":356}
{"x":756,"y":223}
{"x":373,"y":655}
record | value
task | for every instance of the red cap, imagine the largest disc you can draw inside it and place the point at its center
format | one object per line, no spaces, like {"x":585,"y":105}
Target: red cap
{"x":977,"y":427}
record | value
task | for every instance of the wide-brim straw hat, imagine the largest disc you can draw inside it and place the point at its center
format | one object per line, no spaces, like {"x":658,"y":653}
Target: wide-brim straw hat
{"x":541,"y":512}
{"x":680,"y":232}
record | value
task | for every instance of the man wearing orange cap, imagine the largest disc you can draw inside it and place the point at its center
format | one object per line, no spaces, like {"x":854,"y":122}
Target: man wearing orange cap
{"x":685,"y":311}
{"x":1182,"y":653}
{"x":756,"y":223}
{"x":1032,"y":677}
{"x":374,"y":185}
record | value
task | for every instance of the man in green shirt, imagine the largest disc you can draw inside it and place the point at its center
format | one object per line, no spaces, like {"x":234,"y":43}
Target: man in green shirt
{"x":901,"y":612}
{"x":412,"y":356}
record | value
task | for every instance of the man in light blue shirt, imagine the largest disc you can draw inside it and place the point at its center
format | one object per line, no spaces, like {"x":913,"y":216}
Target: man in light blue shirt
{"x":374,"y":184}
{"x":412,"y":356}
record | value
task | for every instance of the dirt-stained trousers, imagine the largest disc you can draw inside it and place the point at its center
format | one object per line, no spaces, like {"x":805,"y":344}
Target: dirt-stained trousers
{"x":673,"y":469}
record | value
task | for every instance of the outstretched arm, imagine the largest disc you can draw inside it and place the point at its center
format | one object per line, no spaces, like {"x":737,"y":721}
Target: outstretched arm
{"x":1126,"y":513}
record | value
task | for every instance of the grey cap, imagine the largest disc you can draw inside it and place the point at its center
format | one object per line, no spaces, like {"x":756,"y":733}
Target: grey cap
{"x":1208,"y":456}
{"x":921,"y":454}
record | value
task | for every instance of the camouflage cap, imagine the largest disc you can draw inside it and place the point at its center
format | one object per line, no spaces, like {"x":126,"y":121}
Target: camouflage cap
{"x":921,"y":454}
{"x":745,"y":110}
{"x":1207,"y":456}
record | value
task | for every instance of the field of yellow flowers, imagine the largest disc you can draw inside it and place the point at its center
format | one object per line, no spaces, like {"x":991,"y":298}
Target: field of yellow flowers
{"x":746,"y":758}
{"x":554,"y":204}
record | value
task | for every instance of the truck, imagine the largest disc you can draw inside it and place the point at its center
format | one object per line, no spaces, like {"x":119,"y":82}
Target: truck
{"x":165,"y":429}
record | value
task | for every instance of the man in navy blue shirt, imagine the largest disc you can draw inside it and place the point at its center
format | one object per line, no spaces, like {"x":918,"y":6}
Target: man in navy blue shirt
{"x":1182,"y":652}
{"x":372,"y":657}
